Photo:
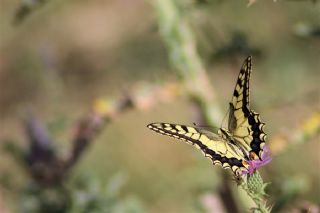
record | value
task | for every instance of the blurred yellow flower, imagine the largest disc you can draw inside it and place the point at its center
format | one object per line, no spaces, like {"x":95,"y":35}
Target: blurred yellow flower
{"x":102,"y":106}
{"x":312,"y":124}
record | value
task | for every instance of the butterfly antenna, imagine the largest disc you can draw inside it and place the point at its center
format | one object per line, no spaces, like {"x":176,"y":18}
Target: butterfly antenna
{"x":223,"y":123}
{"x":205,"y":126}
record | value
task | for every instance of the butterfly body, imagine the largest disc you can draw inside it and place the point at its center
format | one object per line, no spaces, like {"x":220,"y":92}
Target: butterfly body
{"x":226,"y":135}
{"x":240,"y":146}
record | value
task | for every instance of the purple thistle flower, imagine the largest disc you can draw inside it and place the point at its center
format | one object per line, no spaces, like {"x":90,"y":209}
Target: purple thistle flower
{"x":257,"y":163}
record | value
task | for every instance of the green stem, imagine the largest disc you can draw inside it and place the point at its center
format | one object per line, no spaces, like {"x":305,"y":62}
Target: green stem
{"x":179,"y":39}
{"x":255,"y":188}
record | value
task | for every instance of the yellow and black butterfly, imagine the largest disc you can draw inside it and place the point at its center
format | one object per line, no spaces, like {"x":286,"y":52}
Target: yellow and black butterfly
{"x":240,"y":146}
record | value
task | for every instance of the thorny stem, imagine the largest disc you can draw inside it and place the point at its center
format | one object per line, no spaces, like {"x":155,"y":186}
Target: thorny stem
{"x":178,"y":37}
{"x":185,"y":60}
{"x":255,"y":188}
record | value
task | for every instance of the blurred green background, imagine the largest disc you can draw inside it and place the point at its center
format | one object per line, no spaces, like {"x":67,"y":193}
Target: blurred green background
{"x":64,"y":55}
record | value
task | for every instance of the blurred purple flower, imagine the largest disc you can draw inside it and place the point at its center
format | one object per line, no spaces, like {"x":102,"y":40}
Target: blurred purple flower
{"x":40,"y":143}
{"x":255,"y":164}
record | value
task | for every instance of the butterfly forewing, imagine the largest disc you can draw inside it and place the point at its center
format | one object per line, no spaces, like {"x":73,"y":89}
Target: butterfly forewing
{"x":239,"y":106}
{"x":245,"y":124}
{"x":212,"y":146}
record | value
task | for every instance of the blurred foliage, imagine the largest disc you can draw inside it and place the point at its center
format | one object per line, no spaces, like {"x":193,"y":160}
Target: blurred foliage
{"x":93,"y":196}
{"x":85,"y":194}
{"x":25,"y":9}
{"x":49,"y":189}
{"x":238,"y":46}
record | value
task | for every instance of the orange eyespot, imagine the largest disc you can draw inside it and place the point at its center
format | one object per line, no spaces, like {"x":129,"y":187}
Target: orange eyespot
{"x":253,"y":156}
{"x":245,"y":164}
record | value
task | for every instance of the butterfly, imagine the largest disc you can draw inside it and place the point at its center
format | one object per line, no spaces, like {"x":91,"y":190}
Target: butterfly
{"x":239,"y":147}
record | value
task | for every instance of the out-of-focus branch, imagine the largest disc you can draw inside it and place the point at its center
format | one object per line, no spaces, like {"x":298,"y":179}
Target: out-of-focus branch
{"x":89,"y":127}
{"x":42,"y":161}
{"x":105,"y":110}
{"x":49,"y":171}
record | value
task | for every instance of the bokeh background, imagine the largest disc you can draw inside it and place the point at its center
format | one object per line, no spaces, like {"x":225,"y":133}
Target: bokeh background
{"x":64,"y":60}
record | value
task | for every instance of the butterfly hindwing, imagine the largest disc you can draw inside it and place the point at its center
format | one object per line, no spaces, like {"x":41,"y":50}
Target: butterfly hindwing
{"x":213,"y":147}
